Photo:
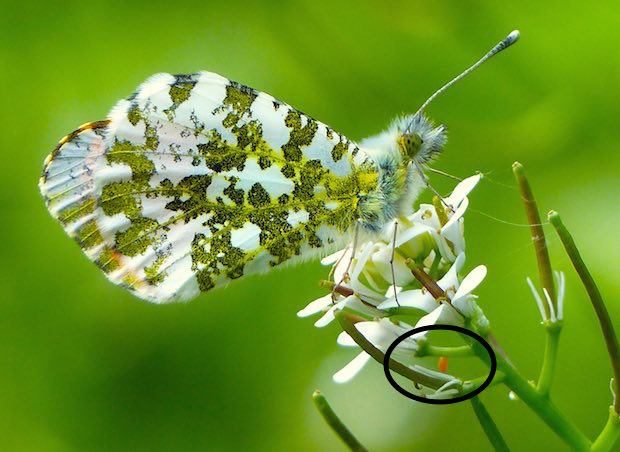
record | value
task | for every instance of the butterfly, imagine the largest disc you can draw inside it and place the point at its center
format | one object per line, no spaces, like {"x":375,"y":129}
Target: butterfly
{"x":196,"y":180}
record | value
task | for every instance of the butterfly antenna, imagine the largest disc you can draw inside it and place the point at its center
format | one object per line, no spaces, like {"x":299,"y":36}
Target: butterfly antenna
{"x":504,"y":44}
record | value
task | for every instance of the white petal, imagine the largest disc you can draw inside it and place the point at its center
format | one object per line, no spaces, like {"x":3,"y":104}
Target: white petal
{"x":444,"y":314}
{"x":387,"y":233}
{"x":471,"y":281}
{"x":381,"y":333}
{"x":550,"y":304}
{"x":372,"y":293}
{"x":377,"y":333}
{"x":358,"y":265}
{"x":451,"y":278}
{"x":561,"y":279}
{"x":342,"y":266}
{"x":430,"y":319}
{"x":316,"y":306}
{"x":456,"y":216}
{"x":411,"y":232}
{"x":354,"y":303}
{"x":447,"y":394}
{"x":425,"y":215}
{"x":466,"y":305}
{"x":390,"y":292}
{"x":351,"y":302}
{"x":352,"y":369}
{"x":461,"y":191}
{"x":415,"y":298}
{"x":333,"y":258}
{"x":450,"y":384}
{"x":381,"y":258}
{"x":345,"y":340}
{"x":539,"y":301}
{"x":444,"y":248}
{"x":453,"y":229}
{"x":326,"y":319}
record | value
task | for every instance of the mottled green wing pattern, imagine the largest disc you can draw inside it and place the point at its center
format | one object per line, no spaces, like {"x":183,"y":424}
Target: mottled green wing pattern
{"x":196,"y":180}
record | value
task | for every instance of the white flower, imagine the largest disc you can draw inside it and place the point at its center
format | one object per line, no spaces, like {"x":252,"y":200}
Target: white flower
{"x":462,"y":302}
{"x":375,"y":288}
{"x":449,"y":237}
{"x":459,"y":306}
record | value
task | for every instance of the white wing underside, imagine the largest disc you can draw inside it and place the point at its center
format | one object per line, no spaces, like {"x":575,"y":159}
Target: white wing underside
{"x":149,"y":165}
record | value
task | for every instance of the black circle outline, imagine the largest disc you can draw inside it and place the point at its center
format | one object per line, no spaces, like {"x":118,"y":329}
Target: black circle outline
{"x":458,"y":329}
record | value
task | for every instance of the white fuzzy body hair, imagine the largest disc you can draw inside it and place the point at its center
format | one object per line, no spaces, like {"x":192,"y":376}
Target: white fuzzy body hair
{"x":400,"y":181}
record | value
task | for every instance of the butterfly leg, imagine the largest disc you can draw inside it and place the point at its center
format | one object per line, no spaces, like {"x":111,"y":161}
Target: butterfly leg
{"x":443,"y":173}
{"x":431,"y":188}
{"x":392,"y":262}
{"x":345,"y":276}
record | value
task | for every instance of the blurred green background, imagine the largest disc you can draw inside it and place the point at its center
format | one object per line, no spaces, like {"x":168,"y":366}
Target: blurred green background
{"x":85,"y":366}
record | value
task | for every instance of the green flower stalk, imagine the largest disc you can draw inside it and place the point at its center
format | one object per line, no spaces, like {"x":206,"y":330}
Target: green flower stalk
{"x":332,"y":419}
{"x":607,"y":326}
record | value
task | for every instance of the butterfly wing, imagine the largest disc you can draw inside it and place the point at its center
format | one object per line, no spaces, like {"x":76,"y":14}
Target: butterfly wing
{"x":196,"y":180}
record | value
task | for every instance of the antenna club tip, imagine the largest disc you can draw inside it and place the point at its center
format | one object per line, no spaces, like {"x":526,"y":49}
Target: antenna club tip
{"x":513,"y":37}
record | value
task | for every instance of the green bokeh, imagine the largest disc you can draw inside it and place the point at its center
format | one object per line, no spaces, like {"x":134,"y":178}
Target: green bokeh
{"x":85,"y":366}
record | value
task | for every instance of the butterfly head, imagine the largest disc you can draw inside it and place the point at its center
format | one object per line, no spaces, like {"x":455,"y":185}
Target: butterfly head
{"x":418,"y":139}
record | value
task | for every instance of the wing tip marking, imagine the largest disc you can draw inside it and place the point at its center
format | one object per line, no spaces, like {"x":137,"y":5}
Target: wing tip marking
{"x":66,"y":139}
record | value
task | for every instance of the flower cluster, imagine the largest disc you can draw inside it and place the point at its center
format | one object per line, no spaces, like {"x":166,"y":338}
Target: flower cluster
{"x":375,"y":281}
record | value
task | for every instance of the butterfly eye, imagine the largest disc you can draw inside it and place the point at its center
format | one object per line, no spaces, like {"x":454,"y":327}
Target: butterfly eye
{"x":409,"y":144}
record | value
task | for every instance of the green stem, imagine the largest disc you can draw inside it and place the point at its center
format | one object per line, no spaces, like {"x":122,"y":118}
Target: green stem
{"x":610,"y":433}
{"x":449,"y":352}
{"x":595,"y":297}
{"x":546,"y":278}
{"x":488,"y":425}
{"x":551,"y":351}
{"x":543,"y":407}
{"x":475,"y":383}
{"x":335,"y":423}
{"x":538,"y":235}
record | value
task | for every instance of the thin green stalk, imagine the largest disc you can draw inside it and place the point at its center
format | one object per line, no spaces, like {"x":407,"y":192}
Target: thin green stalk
{"x":449,"y":352}
{"x":543,"y":407}
{"x":610,"y":433}
{"x":552,"y":340}
{"x":335,"y":423}
{"x":546,"y":277}
{"x":595,"y":297}
{"x":488,"y":425}
{"x":478,"y":381}
{"x":538,"y":235}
